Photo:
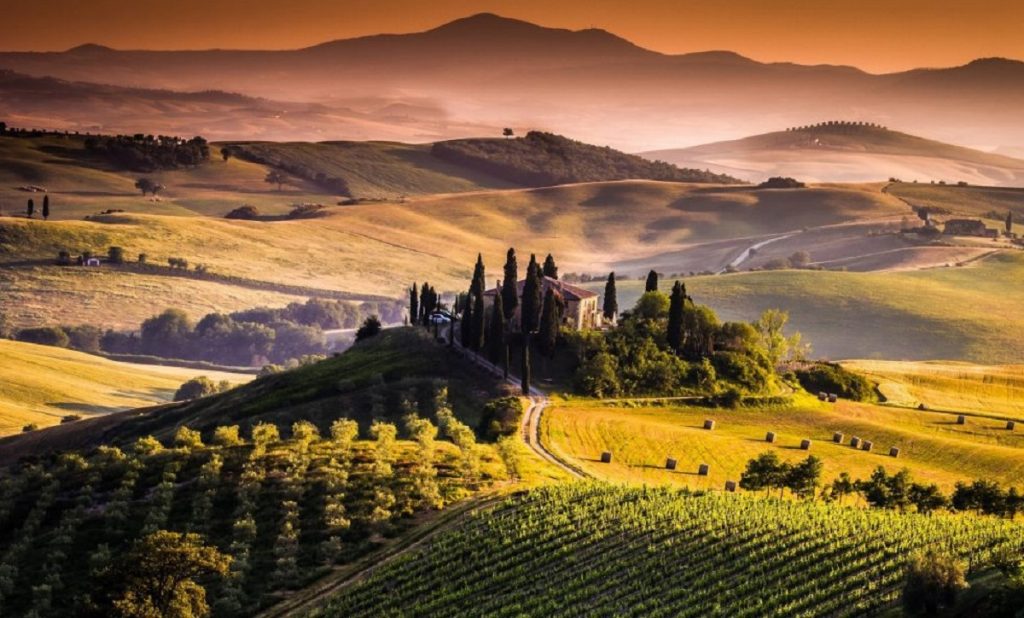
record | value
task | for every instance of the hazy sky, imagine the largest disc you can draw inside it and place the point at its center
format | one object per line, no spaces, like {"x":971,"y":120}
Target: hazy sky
{"x":872,"y":34}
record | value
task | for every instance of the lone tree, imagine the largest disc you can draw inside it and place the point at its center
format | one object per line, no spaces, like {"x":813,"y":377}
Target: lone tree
{"x":46,"y":207}
{"x":31,"y":208}
{"x":652,"y":282}
{"x":146,"y":185}
{"x":414,"y":304}
{"x":159,"y":576}
{"x":1009,"y":223}
{"x":275,"y":177}
{"x":509,"y":287}
{"x":507,"y":132}
{"x":675,"y":317}
{"x":550,"y":269}
{"x":371,"y":327}
{"x":226,"y":153}
{"x":611,"y":303}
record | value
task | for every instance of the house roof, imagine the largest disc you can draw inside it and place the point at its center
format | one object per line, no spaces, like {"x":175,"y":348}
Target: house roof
{"x":567,"y":290}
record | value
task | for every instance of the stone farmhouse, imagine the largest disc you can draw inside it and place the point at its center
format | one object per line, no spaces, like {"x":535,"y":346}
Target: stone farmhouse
{"x":969,"y":227}
{"x":581,"y":309}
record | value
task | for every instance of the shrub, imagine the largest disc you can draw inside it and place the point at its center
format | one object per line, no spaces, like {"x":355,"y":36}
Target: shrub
{"x":187,"y":438}
{"x":85,"y":338}
{"x":501,"y":417}
{"x":933,"y":582}
{"x":834,"y":378}
{"x":70,"y":418}
{"x":245,"y":212}
{"x":45,"y":335}
{"x":196,"y":388}
{"x":30,"y":427}
{"x":781,"y":182}
{"x":371,"y":326}
{"x":115,"y":255}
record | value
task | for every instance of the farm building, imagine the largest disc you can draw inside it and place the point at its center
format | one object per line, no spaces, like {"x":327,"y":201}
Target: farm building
{"x":969,"y":227}
{"x":581,"y":309}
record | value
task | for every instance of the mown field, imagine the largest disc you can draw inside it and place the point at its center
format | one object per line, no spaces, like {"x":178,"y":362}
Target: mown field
{"x":968,"y":313}
{"x":971,"y":201}
{"x":932,"y":446}
{"x":599,"y":549}
{"x":995,"y":390}
{"x":42,"y":384}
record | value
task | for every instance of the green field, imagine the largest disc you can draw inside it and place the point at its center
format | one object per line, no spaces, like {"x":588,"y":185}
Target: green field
{"x":970,"y":313}
{"x":42,"y":384}
{"x":596,"y":549}
{"x":932,"y":446}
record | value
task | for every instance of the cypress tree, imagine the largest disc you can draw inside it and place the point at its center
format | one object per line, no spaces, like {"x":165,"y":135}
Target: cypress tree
{"x":652,"y":282}
{"x":496,"y":335}
{"x":550,"y":270}
{"x":611,"y":302}
{"x":424,"y":294}
{"x":531,"y":297}
{"x":466,"y":328}
{"x":549,"y":321}
{"x":414,"y":304}
{"x":31,"y":208}
{"x":509,"y":289}
{"x":479,"y":283}
{"x":675,"y":317}
{"x":479,"y":322}
{"x":525,"y":370}
{"x":1009,"y":223}
{"x":46,"y":207}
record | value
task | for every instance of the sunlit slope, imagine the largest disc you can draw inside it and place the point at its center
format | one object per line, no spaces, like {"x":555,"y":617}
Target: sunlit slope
{"x":595,"y":549}
{"x":932,"y":446}
{"x":986,"y":389}
{"x":41,"y":384}
{"x":949,"y":201}
{"x":970,"y":313}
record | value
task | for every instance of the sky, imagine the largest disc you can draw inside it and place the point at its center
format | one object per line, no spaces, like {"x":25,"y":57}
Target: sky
{"x":878,"y":36}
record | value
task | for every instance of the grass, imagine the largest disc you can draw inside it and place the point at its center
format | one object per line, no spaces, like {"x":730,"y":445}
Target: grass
{"x":984,"y":389}
{"x":969,"y":313}
{"x":933,"y":447}
{"x":970,"y":201}
{"x":41,"y":384}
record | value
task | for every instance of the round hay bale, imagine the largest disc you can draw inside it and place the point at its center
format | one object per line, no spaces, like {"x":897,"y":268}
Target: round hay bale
{"x":606,"y":457}
{"x":1010,"y":425}
{"x":855,"y":442}
{"x":823,"y":396}
{"x":837,"y":437}
{"x":805,"y":445}
{"x":670,"y":464}
{"x":832,"y":398}
{"x":770,"y":437}
{"x":894,"y":452}
{"x":867,"y":446}
{"x":709,"y":424}
{"x":703,"y":469}
{"x":730,"y":486}
{"x":961,"y":420}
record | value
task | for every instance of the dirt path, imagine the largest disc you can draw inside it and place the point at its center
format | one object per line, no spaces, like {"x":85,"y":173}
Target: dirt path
{"x":743,"y":257}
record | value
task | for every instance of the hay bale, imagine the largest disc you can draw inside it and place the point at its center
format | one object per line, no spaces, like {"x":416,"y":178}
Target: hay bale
{"x":730,"y":486}
{"x":823,"y":396}
{"x":855,"y":442}
{"x":703,"y":469}
{"x":606,"y":457}
{"x":1010,"y":425}
{"x":670,"y":464}
{"x":805,"y":445}
{"x":709,"y":424}
{"x":832,"y":398}
{"x":894,"y":452}
{"x":770,"y":437}
{"x":961,"y":420}
{"x":837,"y":437}
{"x":867,"y":446}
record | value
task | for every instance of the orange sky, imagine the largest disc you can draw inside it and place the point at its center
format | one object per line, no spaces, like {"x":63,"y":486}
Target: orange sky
{"x":872,"y":34}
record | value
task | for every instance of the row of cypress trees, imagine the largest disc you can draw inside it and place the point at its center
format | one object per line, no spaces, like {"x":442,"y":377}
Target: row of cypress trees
{"x":30,"y":209}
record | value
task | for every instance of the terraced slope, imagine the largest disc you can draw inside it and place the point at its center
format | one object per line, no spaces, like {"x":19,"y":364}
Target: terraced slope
{"x":596,"y":549}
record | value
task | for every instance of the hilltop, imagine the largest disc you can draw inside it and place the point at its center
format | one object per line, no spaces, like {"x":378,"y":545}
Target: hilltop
{"x":848,"y":152}
{"x":484,"y":72}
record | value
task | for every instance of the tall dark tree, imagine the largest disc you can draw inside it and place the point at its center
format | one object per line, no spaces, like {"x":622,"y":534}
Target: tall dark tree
{"x":496,"y":332}
{"x":479,"y":323}
{"x":531,"y":297}
{"x":46,"y":207}
{"x":652,"y":282}
{"x":1009,"y":223}
{"x":466,"y":325}
{"x":550,"y":269}
{"x":550,"y":319}
{"x":524,"y":377}
{"x":611,"y":302}
{"x":31,"y":209}
{"x":675,"y":317}
{"x":424,"y":301}
{"x":509,"y":287}
{"x":414,"y":304}
{"x":474,"y":331}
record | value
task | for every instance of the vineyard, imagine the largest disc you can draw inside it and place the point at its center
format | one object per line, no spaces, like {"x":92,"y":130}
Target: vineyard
{"x":286,"y":511}
{"x":617,"y":550}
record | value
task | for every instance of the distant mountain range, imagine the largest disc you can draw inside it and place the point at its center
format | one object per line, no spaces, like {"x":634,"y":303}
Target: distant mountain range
{"x":489,"y":71}
{"x":846,"y":152}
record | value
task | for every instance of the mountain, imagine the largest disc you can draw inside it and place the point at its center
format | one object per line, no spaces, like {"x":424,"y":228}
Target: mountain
{"x":848,"y":152}
{"x":490,"y":71}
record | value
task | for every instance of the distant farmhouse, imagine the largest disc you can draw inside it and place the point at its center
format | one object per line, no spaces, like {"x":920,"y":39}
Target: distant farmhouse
{"x":581,"y":310}
{"x":969,"y":227}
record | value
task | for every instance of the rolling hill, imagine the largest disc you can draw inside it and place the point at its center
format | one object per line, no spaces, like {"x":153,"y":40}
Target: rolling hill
{"x":848,"y":152}
{"x":628,"y":551}
{"x":493,"y":72}
{"x":41,"y":384}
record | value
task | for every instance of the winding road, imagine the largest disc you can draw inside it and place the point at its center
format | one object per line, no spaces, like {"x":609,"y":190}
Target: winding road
{"x":743,"y":257}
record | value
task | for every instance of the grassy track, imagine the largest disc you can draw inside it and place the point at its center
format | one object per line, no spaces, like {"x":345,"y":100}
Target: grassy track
{"x":40,"y":384}
{"x":932,"y":445}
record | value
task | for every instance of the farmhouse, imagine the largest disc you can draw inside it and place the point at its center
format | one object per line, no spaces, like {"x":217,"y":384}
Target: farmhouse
{"x":968,"y":227}
{"x":581,"y":310}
